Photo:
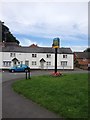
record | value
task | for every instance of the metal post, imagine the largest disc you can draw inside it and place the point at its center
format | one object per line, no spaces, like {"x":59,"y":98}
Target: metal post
{"x":55,"y":60}
{"x":26,"y":74}
{"x":29,"y":74}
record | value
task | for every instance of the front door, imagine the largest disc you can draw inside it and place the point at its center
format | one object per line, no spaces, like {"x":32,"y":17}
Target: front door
{"x":42,"y":65}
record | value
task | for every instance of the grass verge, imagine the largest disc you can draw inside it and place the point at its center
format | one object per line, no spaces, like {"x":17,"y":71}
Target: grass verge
{"x":66,"y":95}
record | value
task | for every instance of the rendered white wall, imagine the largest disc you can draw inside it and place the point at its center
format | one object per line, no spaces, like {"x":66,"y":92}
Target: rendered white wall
{"x":28,"y":56}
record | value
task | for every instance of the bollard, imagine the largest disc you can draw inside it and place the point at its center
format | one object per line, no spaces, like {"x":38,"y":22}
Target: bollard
{"x":29,"y":74}
{"x":26,"y":74}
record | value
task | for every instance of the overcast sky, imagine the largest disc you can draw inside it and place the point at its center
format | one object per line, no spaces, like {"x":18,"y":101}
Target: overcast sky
{"x":40,"y":22}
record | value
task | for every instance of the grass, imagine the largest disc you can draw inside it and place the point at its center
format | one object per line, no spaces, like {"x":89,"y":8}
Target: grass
{"x":66,"y":95}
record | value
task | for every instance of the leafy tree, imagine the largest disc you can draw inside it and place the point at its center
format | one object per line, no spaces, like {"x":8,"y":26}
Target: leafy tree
{"x":7,"y":36}
{"x":87,"y":50}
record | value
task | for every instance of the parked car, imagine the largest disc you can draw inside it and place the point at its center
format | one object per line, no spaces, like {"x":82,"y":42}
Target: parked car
{"x":19,"y":68}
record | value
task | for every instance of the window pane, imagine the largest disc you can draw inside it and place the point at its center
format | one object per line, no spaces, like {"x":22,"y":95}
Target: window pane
{"x":34,"y":55}
{"x":63,"y":63}
{"x":10,"y":54}
{"x":48,"y":63}
{"x":64,"y":56}
{"x":34,"y":62}
{"x":48,"y":55}
{"x":27,"y":63}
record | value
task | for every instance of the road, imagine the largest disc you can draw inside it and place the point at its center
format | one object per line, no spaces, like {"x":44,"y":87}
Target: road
{"x":6,"y":76}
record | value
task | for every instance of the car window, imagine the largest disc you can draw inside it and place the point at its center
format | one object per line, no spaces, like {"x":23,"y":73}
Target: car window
{"x":23,"y":65}
{"x":18,"y":66}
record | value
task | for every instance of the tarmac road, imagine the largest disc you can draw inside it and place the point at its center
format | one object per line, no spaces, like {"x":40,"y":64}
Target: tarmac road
{"x":6,"y":76}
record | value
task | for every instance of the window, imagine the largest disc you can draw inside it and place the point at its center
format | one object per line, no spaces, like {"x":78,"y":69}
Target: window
{"x":48,"y":63}
{"x":12,"y":54}
{"x":27,"y":62}
{"x":34,"y":55}
{"x":63,"y":63}
{"x":18,"y":66}
{"x":64,"y":56}
{"x":48,"y":55}
{"x":34,"y":63}
{"x":6,"y":63}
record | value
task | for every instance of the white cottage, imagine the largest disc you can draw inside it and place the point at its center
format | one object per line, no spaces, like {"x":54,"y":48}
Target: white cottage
{"x":36,"y":57}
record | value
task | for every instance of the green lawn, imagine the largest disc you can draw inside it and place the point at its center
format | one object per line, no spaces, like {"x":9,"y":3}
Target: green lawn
{"x":66,"y":95}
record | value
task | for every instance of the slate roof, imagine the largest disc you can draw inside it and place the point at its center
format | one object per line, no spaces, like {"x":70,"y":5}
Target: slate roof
{"x":35,"y":50}
{"x":82,"y":55}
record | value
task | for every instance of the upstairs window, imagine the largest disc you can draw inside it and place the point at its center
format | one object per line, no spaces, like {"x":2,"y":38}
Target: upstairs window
{"x":64,"y":56}
{"x":12,"y":54}
{"x":48,"y":55}
{"x":34,"y":55}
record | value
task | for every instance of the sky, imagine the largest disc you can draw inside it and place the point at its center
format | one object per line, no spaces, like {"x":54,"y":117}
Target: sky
{"x":41,"y":22}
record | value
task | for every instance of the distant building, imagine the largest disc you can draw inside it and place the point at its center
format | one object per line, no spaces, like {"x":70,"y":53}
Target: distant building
{"x":36,"y":57}
{"x":83,"y":59}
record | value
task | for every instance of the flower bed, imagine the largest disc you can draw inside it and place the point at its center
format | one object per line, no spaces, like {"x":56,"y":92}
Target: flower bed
{"x":56,"y":74}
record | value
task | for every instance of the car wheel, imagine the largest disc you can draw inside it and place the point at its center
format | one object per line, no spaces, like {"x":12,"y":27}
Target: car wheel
{"x":12,"y":71}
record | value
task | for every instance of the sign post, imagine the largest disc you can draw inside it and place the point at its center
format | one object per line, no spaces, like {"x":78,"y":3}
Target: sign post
{"x":55,"y":60}
{"x":56,"y":46}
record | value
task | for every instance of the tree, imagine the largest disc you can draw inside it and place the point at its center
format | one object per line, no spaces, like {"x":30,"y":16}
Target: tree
{"x":7,"y":36}
{"x":87,"y":50}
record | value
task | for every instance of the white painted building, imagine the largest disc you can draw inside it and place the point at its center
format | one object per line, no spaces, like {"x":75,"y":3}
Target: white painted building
{"x":36,"y":57}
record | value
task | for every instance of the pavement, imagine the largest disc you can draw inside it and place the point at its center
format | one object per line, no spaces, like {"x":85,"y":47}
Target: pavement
{"x":17,"y":106}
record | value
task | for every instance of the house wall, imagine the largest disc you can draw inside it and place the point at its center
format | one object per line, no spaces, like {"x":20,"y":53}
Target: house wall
{"x":28,"y":56}
{"x":69,"y":59}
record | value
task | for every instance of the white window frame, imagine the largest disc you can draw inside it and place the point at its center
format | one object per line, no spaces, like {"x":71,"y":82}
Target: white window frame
{"x":27,"y":62}
{"x":34,"y":63}
{"x":12,"y":54}
{"x":48,"y":63}
{"x":34,"y":55}
{"x":48,"y":55}
{"x":64,"y":55}
{"x":6,"y":63}
{"x":64,"y":63}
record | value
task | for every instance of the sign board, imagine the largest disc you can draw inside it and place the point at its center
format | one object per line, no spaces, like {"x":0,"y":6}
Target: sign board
{"x":55,"y":43}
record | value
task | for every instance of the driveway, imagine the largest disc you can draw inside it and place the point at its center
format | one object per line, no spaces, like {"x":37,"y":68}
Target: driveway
{"x":16,"y":106}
